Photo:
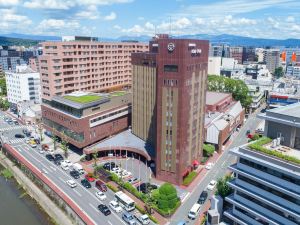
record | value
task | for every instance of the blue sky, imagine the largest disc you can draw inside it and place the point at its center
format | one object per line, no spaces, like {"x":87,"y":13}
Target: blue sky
{"x":113,"y":18}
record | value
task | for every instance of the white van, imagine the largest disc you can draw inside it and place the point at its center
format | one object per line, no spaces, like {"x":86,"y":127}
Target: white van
{"x":194,"y":211}
{"x":78,"y":168}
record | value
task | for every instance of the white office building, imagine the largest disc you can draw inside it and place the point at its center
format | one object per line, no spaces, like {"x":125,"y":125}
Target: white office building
{"x":266,"y":188}
{"x":23,"y":84}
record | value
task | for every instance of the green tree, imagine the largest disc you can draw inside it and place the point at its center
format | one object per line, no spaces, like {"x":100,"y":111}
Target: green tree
{"x":3,"y":90}
{"x":237,"y":88}
{"x":4,"y":104}
{"x":278,"y":72}
{"x":167,"y":198}
{"x":65,"y":145}
{"x":222,"y":187}
{"x":208,"y":149}
{"x":95,"y":156}
{"x":54,"y":141}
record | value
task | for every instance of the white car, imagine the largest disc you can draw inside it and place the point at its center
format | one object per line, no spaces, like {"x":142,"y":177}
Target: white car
{"x":101,"y":195}
{"x":67,"y":162}
{"x":211,"y":185}
{"x":71,"y":183}
{"x":64,"y":166}
{"x":115,"y":206}
{"x":209,"y":166}
{"x":116,"y":169}
{"x":41,"y":151}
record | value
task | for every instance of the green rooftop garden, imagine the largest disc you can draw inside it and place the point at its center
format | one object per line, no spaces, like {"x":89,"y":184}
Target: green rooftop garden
{"x":117,"y":93}
{"x":259,"y":146}
{"x":83,"y":98}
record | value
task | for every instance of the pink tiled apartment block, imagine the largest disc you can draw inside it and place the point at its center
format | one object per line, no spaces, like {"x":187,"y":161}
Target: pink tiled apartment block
{"x":86,"y":65}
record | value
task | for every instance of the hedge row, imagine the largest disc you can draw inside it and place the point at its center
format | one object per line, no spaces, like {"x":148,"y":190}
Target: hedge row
{"x":258,"y":146}
{"x":189,"y":178}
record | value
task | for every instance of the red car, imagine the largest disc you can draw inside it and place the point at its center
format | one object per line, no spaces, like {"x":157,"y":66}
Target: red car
{"x":101,"y":186}
{"x":90,"y":179}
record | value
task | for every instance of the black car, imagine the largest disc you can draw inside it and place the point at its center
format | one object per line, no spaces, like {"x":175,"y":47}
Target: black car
{"x":146,"y":187}
{"x":58,"y":156}
{"x":86,"y":183}
{"x":75,"y":174}
{"x":50,"y":157}
{"x":109,"y":166}
{"x":104,"y":209}
{"x":19,"y":136}
{"x":57,"y":161}
{"x":202,"y":197}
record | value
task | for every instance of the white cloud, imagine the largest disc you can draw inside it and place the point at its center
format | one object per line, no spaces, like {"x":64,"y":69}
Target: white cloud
{"x":11,"y":20}
{"x":90,"y":13}
{"x":229,"y":20}
{"x":49,"y":4}
{"x":8,"y":2}
{"x":296,"y":28}
{"x":111,"y":16}
{"x":57,"y":25}
{"x":290,"y":19}
{"x":199,"y":21}
{"x":102,"y":2}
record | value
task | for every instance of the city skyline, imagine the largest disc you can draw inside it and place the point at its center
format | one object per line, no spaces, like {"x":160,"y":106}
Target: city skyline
{"x":113,"y":18}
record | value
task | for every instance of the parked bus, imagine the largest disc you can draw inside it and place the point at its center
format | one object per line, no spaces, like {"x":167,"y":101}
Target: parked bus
{"x":125,"y":201}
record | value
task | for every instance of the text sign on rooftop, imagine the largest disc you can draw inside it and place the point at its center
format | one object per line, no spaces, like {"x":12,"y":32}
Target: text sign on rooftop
{"x":196,"y":51}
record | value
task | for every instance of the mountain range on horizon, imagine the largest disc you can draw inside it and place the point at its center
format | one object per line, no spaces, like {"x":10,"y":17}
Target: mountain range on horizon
{"x":234,"y":40}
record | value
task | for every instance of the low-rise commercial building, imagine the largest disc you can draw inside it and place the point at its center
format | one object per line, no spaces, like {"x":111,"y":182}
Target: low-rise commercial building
{"x":85,"y":118}
{"x":283,"y":123}
{"x":23,"y":84}
{"x":223,"y":116}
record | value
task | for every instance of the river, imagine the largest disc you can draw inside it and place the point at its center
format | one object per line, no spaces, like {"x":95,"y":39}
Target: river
{"x":15,"y":210}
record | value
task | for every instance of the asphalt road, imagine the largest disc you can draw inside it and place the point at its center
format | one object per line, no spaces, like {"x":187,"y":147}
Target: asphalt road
{"x":84,"y":198}
{"x":218,"y":171}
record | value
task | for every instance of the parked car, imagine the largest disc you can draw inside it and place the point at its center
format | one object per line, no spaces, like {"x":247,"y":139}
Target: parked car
{"x":115,"y":206}
{"x":58,"y":156}
{"x":19,"y":136}
{"x":209,"y":166}
{"x":211,"y":185}
{"x":57,"y":161}
{"x":32,"y":144}
{"x":75,"y":174}
{"x":109,"y":165}
{"x":146,"y":187}
{"x":89,"y":178}
{"x":64,"y":165}
{"x":100,"y":195}
{"x":16,"y":122}
{"x":85,"y":183}
{"x":101,"y":186}
{"x":50,"y":157}
{"x":45,"y":147}
{"x":203,"y":197}
{"x":67,"y":162}
{"x":193,"y":213}
{"x":142,"y":218}
{"x":128,"y":218}
{"x":71,"y":183}
{"x":133,"y":180}
{"x":104,"y":209}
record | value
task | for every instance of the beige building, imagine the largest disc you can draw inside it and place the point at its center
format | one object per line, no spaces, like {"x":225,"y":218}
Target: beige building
{"x":85,"y":64}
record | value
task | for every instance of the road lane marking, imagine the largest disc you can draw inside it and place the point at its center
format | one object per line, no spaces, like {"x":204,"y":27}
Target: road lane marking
{"x":77,"y":192}
{"x":109,"y":222}
{"x":53,"y":168}
{"x":118,"y":217}
{"x":94,"y":207}
{"x":61,"y":179}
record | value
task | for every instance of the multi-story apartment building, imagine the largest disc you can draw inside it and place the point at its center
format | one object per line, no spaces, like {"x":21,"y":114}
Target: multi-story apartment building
{"x":289,"y":52}
{"x":10,"y":63}
{"x":23,"y":85}
{"x":85,"y":118}
{"x":169,"y":86}
{"x":34,"y":64}
{"x":272,"y":59}
{"x":84,"y":64}
{"x":219,"y":50}
{"x":249,"y":54}
{"x":236,"y":53}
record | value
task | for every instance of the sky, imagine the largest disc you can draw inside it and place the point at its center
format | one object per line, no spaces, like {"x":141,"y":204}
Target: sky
{"x":113,"y":18}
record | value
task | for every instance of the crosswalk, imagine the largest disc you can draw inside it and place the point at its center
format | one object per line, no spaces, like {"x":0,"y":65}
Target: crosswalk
{"x":12,"y":128}
{"x":13,"y":140}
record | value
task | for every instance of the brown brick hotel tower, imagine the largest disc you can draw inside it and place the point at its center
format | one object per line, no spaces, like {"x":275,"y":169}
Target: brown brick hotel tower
{"x":180,"y":89}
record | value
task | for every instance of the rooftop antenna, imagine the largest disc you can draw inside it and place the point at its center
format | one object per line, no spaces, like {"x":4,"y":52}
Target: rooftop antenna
{"x":170,"y":26}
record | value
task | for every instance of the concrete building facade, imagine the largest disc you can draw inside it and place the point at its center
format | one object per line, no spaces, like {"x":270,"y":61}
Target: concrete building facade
{"x":266,"y":188}
{"x":23,"y":85}
{"x":272,"y":59}
{"x":236,"y":53}
{"x":84,"y":64}
{"x":180,"y":66}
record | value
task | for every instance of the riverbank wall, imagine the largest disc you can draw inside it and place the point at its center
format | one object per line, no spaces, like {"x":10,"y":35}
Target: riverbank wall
{"x":54,"y":202}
